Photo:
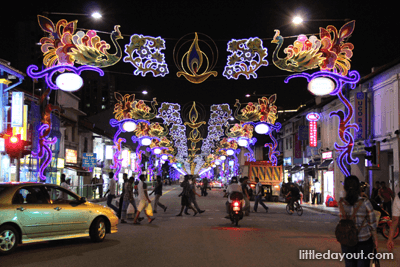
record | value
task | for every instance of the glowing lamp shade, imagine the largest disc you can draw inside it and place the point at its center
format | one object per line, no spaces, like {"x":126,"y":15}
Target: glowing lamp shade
{"x":14,"y":139}
{"x":243,"y":142}
{"x":262,"y":128}
{"x":157,"y":151}
{"x":230,"y":152}
{"x":69,"y":82}
{"x":223,"y":158}
{"x":145,"y":141}
{"x":164,"y":157}
{"x":129,"y":126}
{"x":321,"y":86}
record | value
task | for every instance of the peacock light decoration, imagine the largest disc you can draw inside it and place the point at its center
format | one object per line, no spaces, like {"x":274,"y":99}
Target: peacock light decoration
{"x":65,"y":47}
{"x":329,"y":53}
{"x":91,"y":50}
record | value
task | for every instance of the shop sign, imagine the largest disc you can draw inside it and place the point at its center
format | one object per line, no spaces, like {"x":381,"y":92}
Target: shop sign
{"x":125,"y":158}
{"x":89,"y":160}
{"x":313,"y":130}
{"x":71,"y":156}
{"x":360,"y":116}
{"x":17,"y":109}
{"x":287,"y":161}
{"x":109,"y":152}
{"x":326,"y":155}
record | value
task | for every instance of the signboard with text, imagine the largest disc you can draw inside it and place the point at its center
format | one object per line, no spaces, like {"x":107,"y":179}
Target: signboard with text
{"x":360,"y":116}
{"x":89,"y":160}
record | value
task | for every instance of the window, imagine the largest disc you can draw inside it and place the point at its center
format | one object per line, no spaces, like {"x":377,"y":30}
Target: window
{"x":59,"y":195}
{"x":30,"y":195}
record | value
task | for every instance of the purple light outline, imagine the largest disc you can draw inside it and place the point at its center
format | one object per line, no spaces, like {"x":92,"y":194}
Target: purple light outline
{"x":344,"y":133}
{"x":44,"y":150}
{"x":49,"y":72}
{"x":272,"y":153}
{"x":340,"y":80}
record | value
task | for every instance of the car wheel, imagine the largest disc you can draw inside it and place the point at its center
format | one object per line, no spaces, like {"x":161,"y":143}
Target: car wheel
{"x":8,"y":239}
{"x":97,"y":230}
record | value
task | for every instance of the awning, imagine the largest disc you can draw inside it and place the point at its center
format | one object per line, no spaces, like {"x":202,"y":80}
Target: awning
{"x":80,"y":171}
{"x":325,"y":164}
{"x":296,"y":168}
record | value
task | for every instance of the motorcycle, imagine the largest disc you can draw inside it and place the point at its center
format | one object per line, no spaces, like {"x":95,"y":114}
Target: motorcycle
{"x":385,"y":222}
{"x":236,"y":208}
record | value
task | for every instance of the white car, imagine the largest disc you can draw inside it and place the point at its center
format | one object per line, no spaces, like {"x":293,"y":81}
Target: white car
{"x":218,"y":184}
{"x":34,"y":212}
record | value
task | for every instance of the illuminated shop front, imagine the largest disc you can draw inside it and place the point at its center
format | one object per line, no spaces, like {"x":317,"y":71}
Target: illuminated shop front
{"x":326,"y":176}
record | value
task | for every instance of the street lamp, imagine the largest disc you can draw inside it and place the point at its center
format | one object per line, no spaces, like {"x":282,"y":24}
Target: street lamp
{"x":298,"y":20}
{"x":95,"y":15}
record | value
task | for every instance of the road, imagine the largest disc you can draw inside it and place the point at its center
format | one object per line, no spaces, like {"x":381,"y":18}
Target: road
{"x":262,"y":239}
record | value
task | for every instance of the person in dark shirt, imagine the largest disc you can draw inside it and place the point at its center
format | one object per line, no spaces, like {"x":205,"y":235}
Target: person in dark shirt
{"x":246,"y":197}
{"x":294,"y":192}
{"x":158,"y":193}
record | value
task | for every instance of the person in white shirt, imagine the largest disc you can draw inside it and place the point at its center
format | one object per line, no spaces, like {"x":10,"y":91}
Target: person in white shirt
{"x":395,"y":221}
{"x":233,"y":187}
{"x":259,"y":197}
{"x":143,"y":198}
{"x":111,"y":191}
{"x":64,"y":184}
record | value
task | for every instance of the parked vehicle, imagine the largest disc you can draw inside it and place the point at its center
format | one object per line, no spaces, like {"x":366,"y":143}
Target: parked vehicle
{"x":271,"y":178}
{"x":385,"y":221}
{"x":34,"y":212}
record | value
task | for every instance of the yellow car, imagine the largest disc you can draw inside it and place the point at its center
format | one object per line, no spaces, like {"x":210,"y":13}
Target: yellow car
{"x":34,"y":212}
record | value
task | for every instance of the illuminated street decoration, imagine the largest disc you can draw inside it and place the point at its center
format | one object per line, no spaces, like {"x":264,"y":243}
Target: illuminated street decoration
{"x":194,"y":135}
{"x":57,"y":46}
{"x":170,"y":113}
{"x":248,"y":55}
{"x":191,"y":64}
{"x":272,"y":153}
{"x":330,"y":53}
{"x":312,"y":129}
{"x":44,"y":152}
{"x":344,"y":133}
{"x":48,"y":74}
{"x":91,"y":50}
{"x":65,"y":47}
{"x":149,"y":57}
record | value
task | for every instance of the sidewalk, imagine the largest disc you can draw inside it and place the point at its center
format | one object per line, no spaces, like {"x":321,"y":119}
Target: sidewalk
{"x":322,"y":208}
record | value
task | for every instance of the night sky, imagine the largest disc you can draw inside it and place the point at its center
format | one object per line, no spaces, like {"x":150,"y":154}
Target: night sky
{"x":376,"y":39}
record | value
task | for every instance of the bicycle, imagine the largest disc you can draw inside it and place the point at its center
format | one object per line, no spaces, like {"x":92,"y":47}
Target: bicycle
{"x":297,"y":208}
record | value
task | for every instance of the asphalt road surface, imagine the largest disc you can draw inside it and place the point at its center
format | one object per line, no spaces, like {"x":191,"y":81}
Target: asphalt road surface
{"x":208,"y":239}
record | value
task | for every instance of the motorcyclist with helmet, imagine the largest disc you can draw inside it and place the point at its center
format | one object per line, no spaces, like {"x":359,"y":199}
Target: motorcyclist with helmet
{"x":232,"y":188}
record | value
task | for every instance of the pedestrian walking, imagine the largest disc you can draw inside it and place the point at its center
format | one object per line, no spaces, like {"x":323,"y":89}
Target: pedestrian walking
{"x":192,"y":197}
{"x":243,"y":181}
{"x":386,"y":194}
{"x":144,"y":200}
{"x":375,"y":192}
{"x":158,"y":193}
{"x":100,"y":185}
{"x":94,"y":185}
{"x":365,"y":221}
{"x":185,"y":196}
{"x":259,"y":196}
{"x":395,"y":222}
{"x":204,"y":187}
{"x":111,"y":192}
{"x":121,"y":198}
{"x":64,"y":184}
{"x":128,"y":198}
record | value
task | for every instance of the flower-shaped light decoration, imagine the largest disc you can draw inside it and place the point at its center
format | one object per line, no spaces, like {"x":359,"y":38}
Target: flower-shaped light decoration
{"x":336,"y":53}
{"x":248,"y":55}
{"x":149,"y":58}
